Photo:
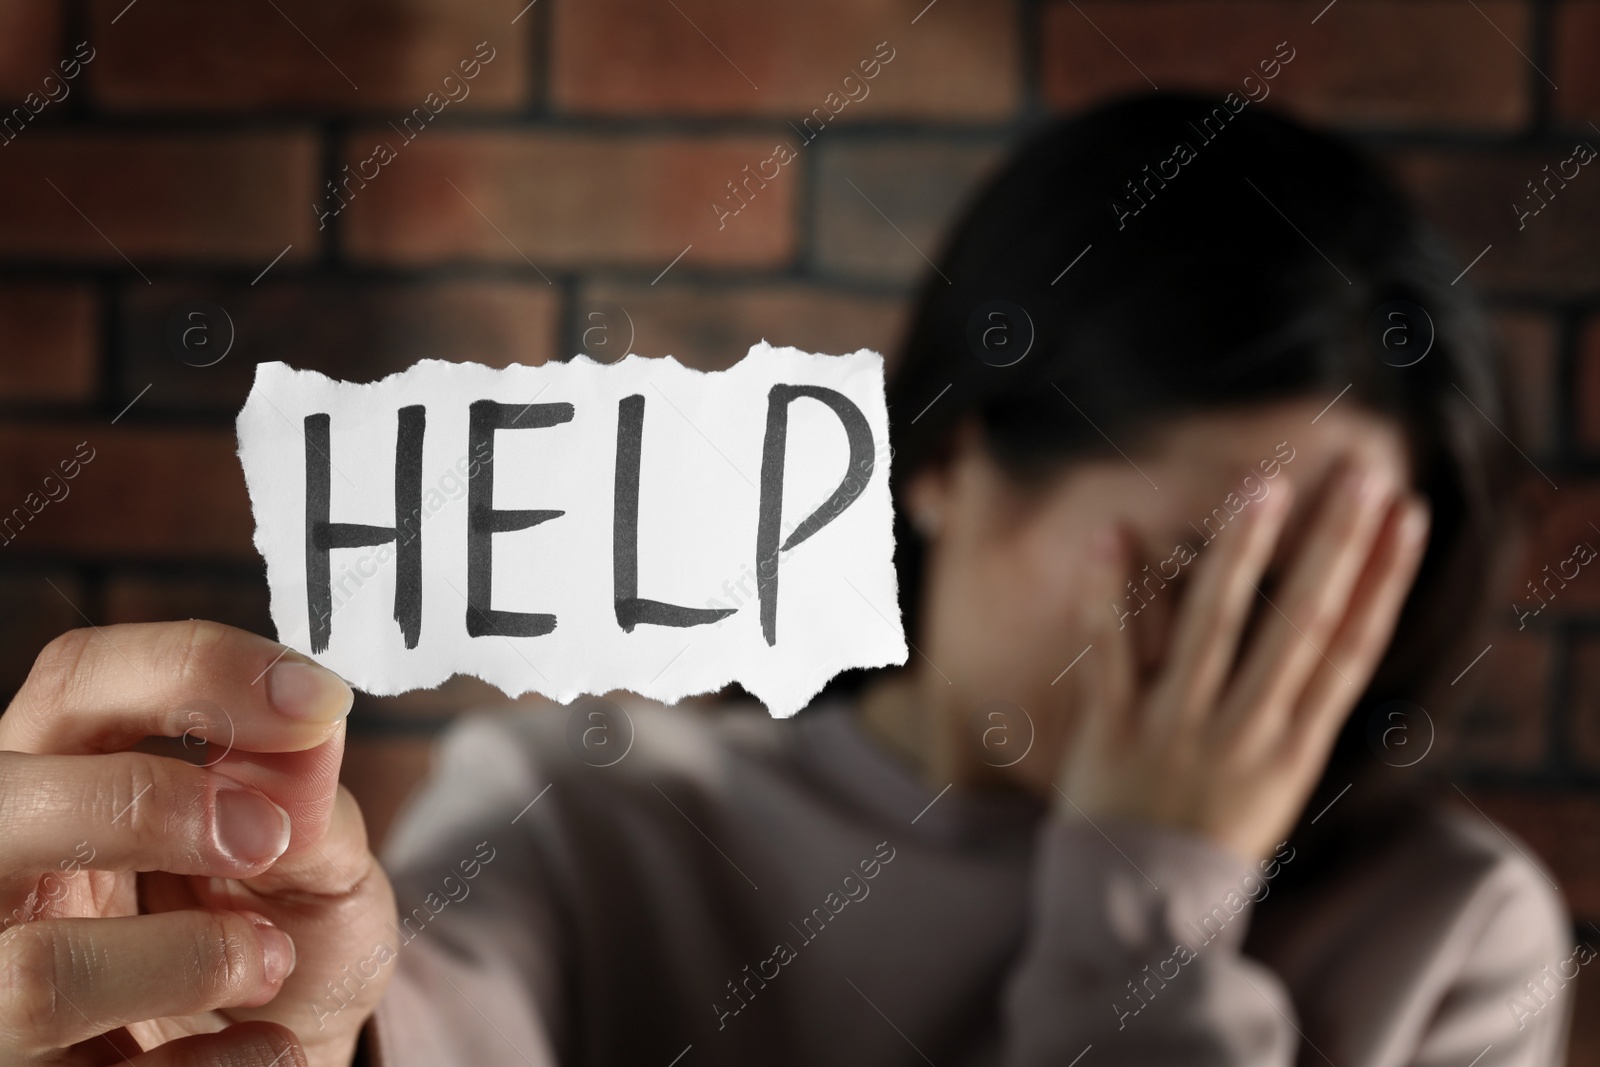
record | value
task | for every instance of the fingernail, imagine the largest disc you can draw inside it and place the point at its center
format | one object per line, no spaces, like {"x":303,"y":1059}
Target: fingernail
{"x":1351,"y":479}
{"x":308,"y":692}
{"x":1103,"y":543}
{"x":277,"y":950}
{"x":249,"y":827}
{"x":1414,"y":527}
{"x":1279,"y":499}
{"x":1361,"y":482}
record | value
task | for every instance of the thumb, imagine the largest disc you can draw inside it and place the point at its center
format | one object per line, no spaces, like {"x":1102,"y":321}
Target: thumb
{"x":303,"y":783}
{"x":1102,"y":685}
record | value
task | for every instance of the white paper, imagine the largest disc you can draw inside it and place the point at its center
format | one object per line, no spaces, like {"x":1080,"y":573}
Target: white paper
{"x":701,"y":459}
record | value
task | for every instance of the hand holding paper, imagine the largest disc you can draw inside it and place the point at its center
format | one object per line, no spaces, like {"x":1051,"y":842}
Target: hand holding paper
{"x":581,"y":527}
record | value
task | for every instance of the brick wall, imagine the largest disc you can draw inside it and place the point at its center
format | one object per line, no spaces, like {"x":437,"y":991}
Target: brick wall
{"x":563,"y":204}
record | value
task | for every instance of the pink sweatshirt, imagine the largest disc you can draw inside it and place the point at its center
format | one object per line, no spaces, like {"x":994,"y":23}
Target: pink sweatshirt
{"x":738,"y":890}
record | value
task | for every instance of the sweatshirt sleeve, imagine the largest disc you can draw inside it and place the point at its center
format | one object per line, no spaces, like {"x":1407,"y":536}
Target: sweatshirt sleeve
{"x":1510,"y":999}
{"x":1134,"y":949}
{"x":476,"y":975}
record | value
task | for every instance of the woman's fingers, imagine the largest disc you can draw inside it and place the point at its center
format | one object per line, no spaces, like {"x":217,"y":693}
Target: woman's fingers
{"x":252,"y":1044}
{"x":105,"y":689}
{"x":1360,"y":643}
{"x":336,"y":866}
{"x":63,"y":981}
{"x":1311,"y":605}
{"x":1118,"y":666}
{"x":271,"y":719}
{"x":303,"y":783}
{"x":1215,"y":611}
{"x":130,"y":811}
{"x":1105,"y":687}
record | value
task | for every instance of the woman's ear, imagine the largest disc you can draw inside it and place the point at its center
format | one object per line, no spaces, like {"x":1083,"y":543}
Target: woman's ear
{"x":929,"y":494}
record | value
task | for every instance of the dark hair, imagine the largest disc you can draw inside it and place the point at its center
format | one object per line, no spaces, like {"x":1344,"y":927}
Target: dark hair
{"x":1249,"y":264}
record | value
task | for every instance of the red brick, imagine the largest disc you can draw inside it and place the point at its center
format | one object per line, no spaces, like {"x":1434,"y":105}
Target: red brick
{"x":348,"y":330}
{"x":1474,"y":197}
{"x":1584,"y":704}
{"x":737,"y":57}
{"x":48,"y":335}
{"x":1505,"y":724}
{"x":918,"y":184}
{"x":1574,"y":28}
{"x":193,"y":55}
{"x":1586,"y":395}
{"x":1564,"y":519}
{"x":39,"y":606}
{"x":713,"y":329}
{"x":1373,"y":62}
{"x":237,"y":198}
{"x":1528,"y":361}
{"x":1562,"y":829}
{"x":554,"y":199}
{"x":30,"y":43}
{"x":240,"y":602}
{"x":146,"y":493}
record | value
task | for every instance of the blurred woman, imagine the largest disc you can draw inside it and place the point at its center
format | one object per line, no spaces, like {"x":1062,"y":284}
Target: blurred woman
{"x":1177,"y":499}
{"x":1198,"y":490}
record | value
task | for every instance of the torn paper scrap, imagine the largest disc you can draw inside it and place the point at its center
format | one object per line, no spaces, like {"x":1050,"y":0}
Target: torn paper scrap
{"x":576,"y":528}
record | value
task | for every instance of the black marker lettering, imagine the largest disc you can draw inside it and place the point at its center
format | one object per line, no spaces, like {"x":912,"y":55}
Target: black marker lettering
{"x":631,"y":608}
{"x":484,"y":521}
{"x":322,"y":535}
{"x":859,"y":472}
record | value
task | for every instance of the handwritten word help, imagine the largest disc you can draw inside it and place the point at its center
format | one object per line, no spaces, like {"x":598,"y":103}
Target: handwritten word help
{"x":602,"y":502}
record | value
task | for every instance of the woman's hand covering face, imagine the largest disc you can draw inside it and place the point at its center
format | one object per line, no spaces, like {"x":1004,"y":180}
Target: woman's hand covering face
{"x":1229,"y":734}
